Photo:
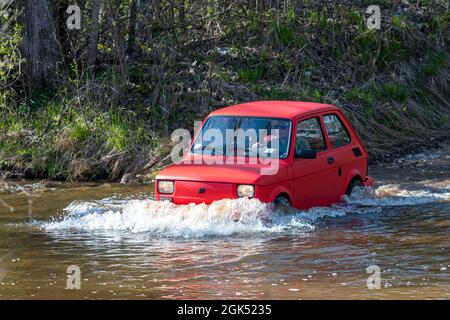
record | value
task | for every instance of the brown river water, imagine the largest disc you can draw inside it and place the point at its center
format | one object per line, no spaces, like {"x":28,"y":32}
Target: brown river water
{"x":128,"y":246}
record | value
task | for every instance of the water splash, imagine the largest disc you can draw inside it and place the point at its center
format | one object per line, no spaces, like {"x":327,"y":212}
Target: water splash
{"x":393,"y":195}
{"x":11,"y":187}
{"x":221,"y":218}
{"x":226,"y":217}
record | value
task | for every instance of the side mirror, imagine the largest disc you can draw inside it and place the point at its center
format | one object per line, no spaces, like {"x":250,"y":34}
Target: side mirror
{"x":306,"y":154}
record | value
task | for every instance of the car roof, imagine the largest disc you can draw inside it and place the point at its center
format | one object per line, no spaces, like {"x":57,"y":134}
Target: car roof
{"x":274,"y":109}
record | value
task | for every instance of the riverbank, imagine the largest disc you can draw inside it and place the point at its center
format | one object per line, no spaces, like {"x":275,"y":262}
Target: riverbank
{"x":422,"y":154}
{"x":110,"y":121}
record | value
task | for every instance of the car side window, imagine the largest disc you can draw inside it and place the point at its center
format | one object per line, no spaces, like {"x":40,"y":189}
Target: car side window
{"x":336,"y":131}
{"x":309,"y":136}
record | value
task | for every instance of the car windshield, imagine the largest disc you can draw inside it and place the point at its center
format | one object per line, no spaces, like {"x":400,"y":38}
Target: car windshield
{"x":244,"y":136}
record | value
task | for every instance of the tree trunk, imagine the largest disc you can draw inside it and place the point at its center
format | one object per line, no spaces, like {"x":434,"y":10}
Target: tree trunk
{"x":93,"y":35}
{"x":298,"y":7}
{"x":118,"y":41}
{"x":131,"y":28}
{"x":182,"y":12}
{"x":40,"y":44}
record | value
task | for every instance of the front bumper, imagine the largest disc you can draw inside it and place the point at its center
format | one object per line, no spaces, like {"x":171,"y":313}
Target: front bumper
{"x":186,"y":192}
{"x":164,"y":198}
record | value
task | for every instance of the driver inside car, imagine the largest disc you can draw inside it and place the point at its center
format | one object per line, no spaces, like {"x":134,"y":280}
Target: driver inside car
{"x":277,"y":141}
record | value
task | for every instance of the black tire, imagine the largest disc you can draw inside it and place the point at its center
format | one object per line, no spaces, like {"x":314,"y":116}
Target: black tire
{"x":282,"y":204}
{"x":355,"y":183}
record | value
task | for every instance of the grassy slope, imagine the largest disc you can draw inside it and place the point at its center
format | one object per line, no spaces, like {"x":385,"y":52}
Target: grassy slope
{"x":392,"y":83}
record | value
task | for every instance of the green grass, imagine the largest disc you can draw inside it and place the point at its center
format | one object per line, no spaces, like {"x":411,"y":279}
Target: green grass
{"x":362,"y":95}
{"x":78,"y":130}
{"x":434,"y":64}
{"x":440,"y":22}
{"x":400,"y":22}
{"x":285,"y":34}
{"x":117,"y":138}
{"x":394,"y":91}
{"x":354,"y":17}
{"x":370,"y":95}
{"x":250,"y":75}
{"x":64,"y":135}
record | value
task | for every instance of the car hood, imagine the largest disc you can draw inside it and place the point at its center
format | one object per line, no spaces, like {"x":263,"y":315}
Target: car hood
{"x":225,"y":173}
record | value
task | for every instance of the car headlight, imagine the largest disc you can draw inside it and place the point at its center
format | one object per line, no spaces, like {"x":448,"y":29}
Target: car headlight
{"x":246,"y":190}
{"x":165,"y":186}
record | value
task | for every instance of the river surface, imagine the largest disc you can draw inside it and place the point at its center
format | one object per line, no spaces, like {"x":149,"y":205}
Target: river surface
{"x":128,"y":246}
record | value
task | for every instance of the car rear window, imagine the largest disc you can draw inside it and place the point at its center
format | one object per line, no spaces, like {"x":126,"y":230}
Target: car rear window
{"x":336,"y":131}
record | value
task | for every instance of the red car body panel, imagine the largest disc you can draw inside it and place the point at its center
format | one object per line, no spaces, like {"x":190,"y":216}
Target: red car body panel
{"x":305,"y":182}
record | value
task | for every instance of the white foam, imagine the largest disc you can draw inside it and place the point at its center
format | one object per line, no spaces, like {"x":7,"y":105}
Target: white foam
{"x":13,"y":187}
{"x":394,"y":195}
{"x":226,"y":217}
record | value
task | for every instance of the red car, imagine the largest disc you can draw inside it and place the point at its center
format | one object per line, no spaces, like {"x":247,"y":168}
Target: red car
{"x":305,"y":153}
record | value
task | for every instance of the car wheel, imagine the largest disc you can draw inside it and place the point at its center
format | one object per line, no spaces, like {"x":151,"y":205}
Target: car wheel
{"x":356,"y":183}
{"x":282,"y":204}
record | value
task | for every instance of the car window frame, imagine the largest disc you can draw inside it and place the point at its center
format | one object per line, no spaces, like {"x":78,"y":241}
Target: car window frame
{"x":343,"y":125}
{"x":319,"y":118}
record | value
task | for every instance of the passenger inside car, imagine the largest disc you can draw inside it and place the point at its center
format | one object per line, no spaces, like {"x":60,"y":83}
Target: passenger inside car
{"x":309,"y":136}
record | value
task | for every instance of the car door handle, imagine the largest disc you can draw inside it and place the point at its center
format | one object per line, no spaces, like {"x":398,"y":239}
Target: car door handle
{"x":330,"y":160}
